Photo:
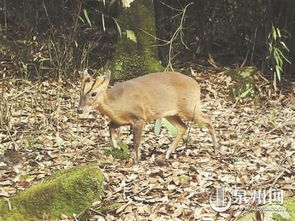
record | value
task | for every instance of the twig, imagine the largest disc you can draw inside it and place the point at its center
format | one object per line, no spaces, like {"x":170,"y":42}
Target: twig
{"x":253,"y":48}
{"x":18,"y":95}
{"x":281,"y":124}
{"x":190,"y":127}
{"x":96,"y":212}
{"x":9,"y":134}
{"x":8,"y":202}
{"x":278,"y":176}
{"x":21,"y":131}
{"x":5,"y":79}
{"x":5,"y":16}
{"x":178,"y":32}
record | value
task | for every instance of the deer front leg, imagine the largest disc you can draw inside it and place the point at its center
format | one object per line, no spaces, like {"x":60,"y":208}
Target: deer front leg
{"x":113,"y":134}
{"x":137,"y":137}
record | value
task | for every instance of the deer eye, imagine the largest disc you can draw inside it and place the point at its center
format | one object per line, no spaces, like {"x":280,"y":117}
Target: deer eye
{"x":93,"y":94}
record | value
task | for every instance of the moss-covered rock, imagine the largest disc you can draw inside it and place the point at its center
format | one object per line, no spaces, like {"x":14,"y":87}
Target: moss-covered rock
{"x":136,"y":53}
{"x":67,"y":192}
{"x":285,"y":212}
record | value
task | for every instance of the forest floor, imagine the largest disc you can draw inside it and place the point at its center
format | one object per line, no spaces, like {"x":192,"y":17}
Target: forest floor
{"x":41,"y":134}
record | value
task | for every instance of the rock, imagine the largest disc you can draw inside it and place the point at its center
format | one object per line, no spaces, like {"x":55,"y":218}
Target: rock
{"x":284,"y":212}
{"x":67,"y":192}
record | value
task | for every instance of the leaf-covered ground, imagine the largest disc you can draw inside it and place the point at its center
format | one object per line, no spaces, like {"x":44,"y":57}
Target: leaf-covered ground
{"x":40,"y":134}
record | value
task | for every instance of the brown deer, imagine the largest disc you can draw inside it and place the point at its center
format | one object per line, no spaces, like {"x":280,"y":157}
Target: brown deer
{"x":135,"y":102}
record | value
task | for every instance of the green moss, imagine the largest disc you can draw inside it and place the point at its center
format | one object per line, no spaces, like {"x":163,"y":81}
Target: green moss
{"x":120,"y":154}
{"x":136,"y":55}
{"x":67,"y":192}
{"x":289,"y":204}
{"x":285,"y":212}
{"x":109,"y":208}
{"x":3,"y":206}
{"x":127,"y":66}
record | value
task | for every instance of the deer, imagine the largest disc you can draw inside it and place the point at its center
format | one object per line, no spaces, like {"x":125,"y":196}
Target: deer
{"x":136,"y":102}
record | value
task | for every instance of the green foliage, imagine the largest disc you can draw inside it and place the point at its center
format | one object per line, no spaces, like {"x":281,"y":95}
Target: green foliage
{"x":86,"y":17}
{"x":157,"y":127}
{"x":172,"y":130}
{"x":277,"y":53}
{"x":277,"y":212}
{"x":122,"y":154}
{"x":131,"y":35}
{"x":31,"y":142}
{"x":158,"y":124}
{"x":242,"y":82}
{"x":290,"y":206}
{"x":75,"y":36}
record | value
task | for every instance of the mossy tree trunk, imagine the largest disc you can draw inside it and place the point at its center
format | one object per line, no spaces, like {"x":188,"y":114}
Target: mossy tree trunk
{"x":136,"y":53}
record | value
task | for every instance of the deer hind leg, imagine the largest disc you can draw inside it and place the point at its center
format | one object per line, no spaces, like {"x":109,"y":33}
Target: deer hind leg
{"x":113,"y":134}
{"x":137,"y":127}
{"x":181,"y":127}
{"x":200,"y":118}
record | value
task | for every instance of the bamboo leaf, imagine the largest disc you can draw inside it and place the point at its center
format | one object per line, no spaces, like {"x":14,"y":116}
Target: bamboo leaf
{"x":126,"y":3}
{"x":131,"y":35}
{"x":278,"y":32}
{"x":87,"y":17}
{"x":103,"y":23}
{"x":118,"y":27}
{"x":278,"y":72}
{"x":157,"y":127}
{"x":172,"y":130}
{"x":245,"y":93}
{"x":274,"y":34}
{"x":81,"y":19}
{"x":283,"y":56}
{"x":284,"y":45}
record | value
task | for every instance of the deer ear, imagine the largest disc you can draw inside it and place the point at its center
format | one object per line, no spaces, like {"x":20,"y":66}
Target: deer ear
{"x":108,"y":75}
{"x":85,"y":73}
{"x":86,"y":76}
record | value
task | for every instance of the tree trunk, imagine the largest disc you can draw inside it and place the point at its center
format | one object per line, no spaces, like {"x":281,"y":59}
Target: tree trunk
{"x":136,"y":53}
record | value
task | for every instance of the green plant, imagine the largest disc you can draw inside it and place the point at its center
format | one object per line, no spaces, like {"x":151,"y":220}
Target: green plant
{"x":277,"y":53}
{"x":242,"y":83}
{"x":158,"y":124}
{"x":86,"y":17}
{"x":122,"y":153}
{"x":31,"y":141}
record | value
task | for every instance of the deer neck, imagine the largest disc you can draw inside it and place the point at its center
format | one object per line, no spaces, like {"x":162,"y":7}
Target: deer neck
{"x":104,"y":105}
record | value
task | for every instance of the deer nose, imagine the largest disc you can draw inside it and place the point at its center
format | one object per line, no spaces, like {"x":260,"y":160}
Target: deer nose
{"x":80,"y":110}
